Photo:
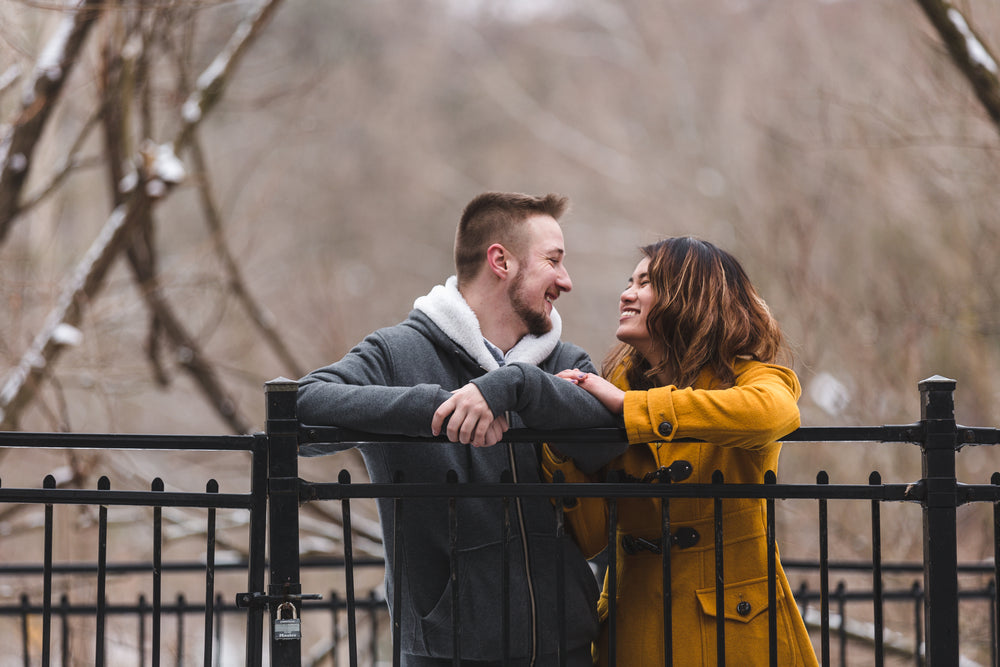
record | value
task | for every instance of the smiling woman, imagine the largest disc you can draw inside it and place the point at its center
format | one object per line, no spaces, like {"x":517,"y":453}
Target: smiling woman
{"x":695,"y":363}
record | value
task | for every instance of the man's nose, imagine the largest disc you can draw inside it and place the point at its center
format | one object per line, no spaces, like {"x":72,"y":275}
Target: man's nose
{"x":563,"y":281}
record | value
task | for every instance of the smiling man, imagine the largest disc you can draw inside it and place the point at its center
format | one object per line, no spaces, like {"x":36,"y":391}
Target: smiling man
{"x":494,"y":323}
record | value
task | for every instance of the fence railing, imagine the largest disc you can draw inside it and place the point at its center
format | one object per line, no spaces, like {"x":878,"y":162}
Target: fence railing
{"x":276,"y":493}
{"x":938,"y":492}
{"x":97,"y":606}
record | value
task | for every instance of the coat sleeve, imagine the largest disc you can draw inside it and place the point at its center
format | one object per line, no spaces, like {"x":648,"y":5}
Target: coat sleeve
{"x":759,"y":409}
{"x":358,"y":392}
{"x":586,"y":518}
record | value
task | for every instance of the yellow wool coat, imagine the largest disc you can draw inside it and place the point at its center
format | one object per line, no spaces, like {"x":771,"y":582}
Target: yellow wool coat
{"x":739,"y":426}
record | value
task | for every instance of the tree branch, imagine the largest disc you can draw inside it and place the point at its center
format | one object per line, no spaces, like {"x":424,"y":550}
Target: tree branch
{"x":51,"y":71}
{"x":969,"y":53}
{"x":261,"y":317}
{"x":57,"y":334}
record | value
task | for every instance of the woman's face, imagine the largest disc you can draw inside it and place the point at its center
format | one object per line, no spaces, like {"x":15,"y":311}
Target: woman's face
{"x":633,"y":306}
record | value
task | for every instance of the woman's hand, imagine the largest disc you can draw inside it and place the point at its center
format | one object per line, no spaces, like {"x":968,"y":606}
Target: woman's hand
{"x":611,"y":396}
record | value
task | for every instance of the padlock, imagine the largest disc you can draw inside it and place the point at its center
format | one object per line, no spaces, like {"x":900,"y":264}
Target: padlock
{"x":287,"y":628}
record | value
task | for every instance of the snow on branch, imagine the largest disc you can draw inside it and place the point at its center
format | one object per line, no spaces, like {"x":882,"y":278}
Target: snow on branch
{"x":968,"y":51}
{"x":59,"y":330}
{"x":41,"y":94}
{"x":212,"y":81}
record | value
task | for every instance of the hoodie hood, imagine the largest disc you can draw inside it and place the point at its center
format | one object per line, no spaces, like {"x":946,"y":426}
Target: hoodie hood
{"x":447,"y":308}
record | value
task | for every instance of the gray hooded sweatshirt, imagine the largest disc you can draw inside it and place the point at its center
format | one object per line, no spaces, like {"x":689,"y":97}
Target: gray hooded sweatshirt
{"x":391,"y":383}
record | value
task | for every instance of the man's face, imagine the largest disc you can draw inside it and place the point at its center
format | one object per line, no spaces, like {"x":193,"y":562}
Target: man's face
{"x":540,"y":276}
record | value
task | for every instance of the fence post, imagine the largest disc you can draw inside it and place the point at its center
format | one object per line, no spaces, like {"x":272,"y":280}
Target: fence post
{"x":937,"y":415}
{"x":283,"y":510}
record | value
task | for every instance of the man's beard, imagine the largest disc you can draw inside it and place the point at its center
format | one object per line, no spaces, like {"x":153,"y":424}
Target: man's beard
{"x":538,"y":323}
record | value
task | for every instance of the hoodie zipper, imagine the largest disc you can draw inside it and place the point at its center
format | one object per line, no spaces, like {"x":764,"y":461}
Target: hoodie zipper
{"x":527,"y":564}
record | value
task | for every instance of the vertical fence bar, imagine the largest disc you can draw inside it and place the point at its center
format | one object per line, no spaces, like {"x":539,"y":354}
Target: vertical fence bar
{"x":180,"y":634}
{"x":560,"y":577}
{"x":612,"y":578}
{"x":65,"y":631}
{"x":373,"y":624}
{"x":352,"y":619}
{"x":25,"y":631}
{"x":666,"y":543}
{"x":877,"y":598}
{"x":506,"y":477}
{"x":157,"y":574}
{"x":142,"y":630}
{"x":720,"y":582}
{"x":283,"y":496}
{"x":772,"y":576}
{"x":841,"y":596}
{"x":48,"y":483}
{"x":918,"y":637}
{"x":823,"y":478}
{"x":995,"y":617}
{"x":211,"y":487}
{"x":181,"y":603}
{"x":258,"y":547}
{"x":397,"y":575}
{"x":456,"y":622}
{"x":103,"y":484}
{"x":937,"y":416}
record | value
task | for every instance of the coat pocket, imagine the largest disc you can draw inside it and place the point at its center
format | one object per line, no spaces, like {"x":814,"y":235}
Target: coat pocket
{"x":747,"y":624}
{"x":743,"y":601}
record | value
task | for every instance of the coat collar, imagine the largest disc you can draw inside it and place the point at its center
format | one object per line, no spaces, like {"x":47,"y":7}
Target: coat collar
{"x":447,"y":308}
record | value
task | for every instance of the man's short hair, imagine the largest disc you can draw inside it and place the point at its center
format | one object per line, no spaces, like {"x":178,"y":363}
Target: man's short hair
{"x":496,"y":217}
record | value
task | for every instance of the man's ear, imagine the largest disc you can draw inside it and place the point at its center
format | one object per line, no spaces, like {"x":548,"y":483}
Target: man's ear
{"x":499,"y":260}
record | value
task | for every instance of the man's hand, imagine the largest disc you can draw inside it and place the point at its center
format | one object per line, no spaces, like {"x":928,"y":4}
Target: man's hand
{"x":611,"y":396}
{"x":470,"y":420}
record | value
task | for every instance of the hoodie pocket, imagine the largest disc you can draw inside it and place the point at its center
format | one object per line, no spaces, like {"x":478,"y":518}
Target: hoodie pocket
{"x":479,"y":615}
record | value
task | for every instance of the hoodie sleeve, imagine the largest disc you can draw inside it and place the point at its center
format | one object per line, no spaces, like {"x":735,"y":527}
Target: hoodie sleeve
{"x":358,"y":392}
{"x":546,"y":402}
{"x":543,"y":400}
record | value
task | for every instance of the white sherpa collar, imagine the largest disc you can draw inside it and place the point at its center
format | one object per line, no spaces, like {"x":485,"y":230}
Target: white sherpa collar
{"x":447,"y":308}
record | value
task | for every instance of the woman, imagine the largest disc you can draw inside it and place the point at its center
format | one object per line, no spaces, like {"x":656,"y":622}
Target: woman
{"x":695,"y":361}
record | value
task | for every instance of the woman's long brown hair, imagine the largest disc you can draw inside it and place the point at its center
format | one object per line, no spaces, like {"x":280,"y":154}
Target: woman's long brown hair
{"x":706,"y":315}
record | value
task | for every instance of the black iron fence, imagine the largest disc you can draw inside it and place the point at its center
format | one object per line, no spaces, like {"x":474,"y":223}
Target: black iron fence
{"x":937,"y":633}
{"x":96,"y":607}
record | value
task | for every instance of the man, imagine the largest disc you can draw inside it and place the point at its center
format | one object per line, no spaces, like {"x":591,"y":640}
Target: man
{"x":495,"y":323}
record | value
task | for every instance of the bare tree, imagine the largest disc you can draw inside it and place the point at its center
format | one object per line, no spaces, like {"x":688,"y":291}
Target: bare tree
{"x":141,"y":173}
